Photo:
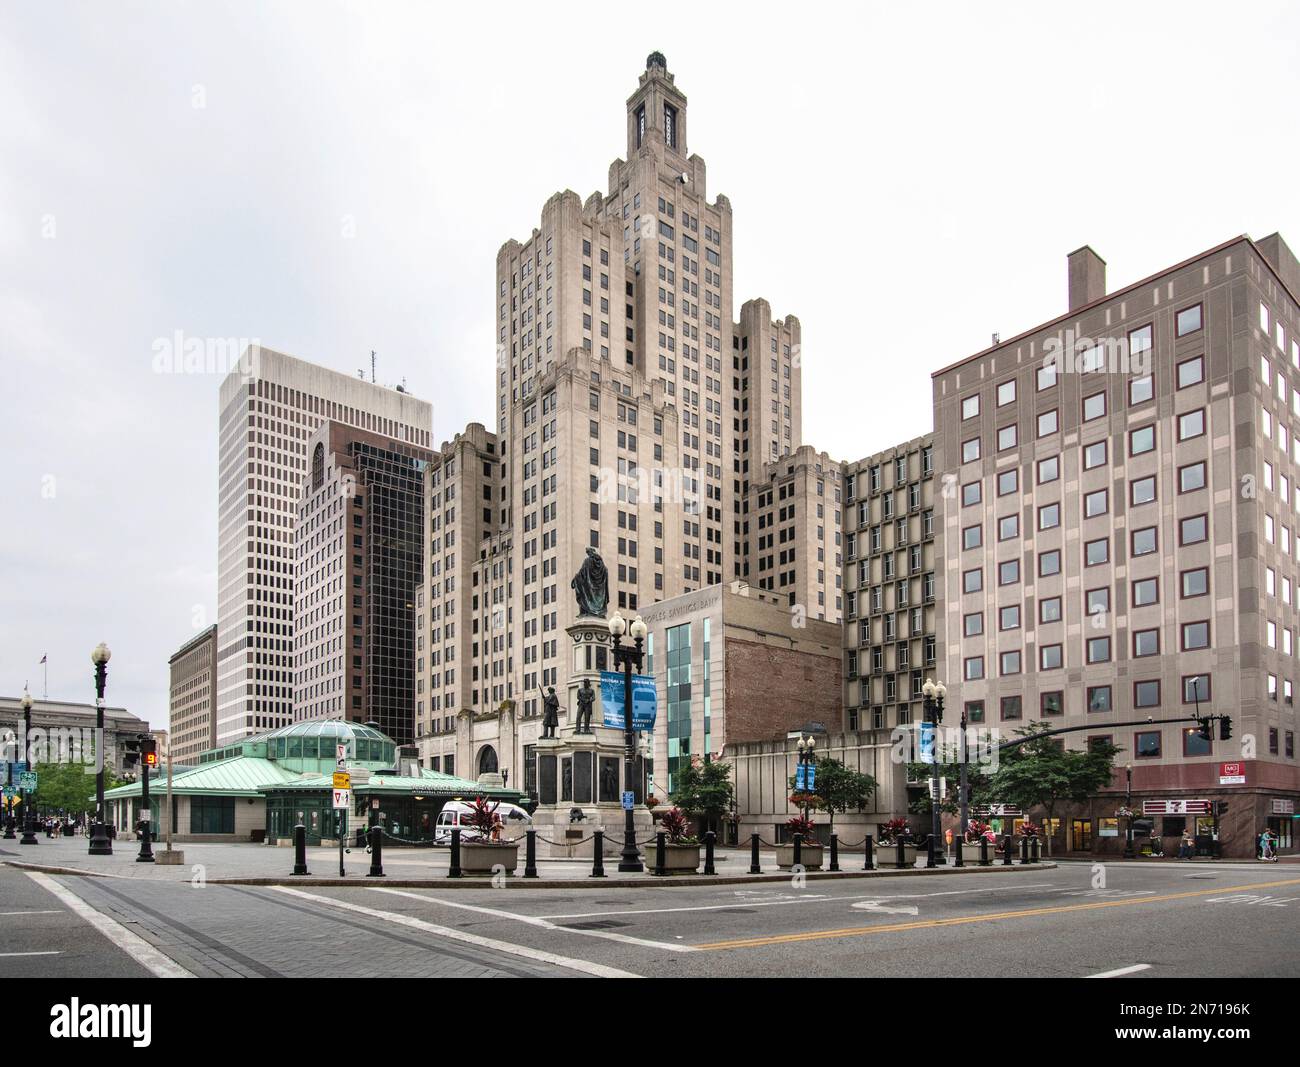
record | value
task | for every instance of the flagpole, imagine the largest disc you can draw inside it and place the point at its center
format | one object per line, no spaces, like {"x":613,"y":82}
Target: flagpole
{"x":45,"y":686}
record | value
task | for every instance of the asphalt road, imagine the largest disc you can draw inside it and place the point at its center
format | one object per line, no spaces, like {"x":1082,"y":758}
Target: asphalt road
{"x":1072,"y":921}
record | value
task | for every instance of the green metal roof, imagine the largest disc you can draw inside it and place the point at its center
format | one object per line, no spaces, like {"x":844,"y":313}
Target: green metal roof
{"x":430,"y":783}
{"x":242,"y":776}
{"x":340,"y":728}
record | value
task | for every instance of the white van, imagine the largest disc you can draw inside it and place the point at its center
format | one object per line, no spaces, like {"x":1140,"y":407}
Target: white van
{"x":458,"y":813}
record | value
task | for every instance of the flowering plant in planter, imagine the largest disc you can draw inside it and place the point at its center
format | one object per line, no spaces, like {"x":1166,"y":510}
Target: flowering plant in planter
{"x":678,"y":827}
{"x":651,"y":800}
{"x":976,"y":830}
{"x":1030,"y":829}
{"x":1124,"y":813}
{"x":894,"y":831}
{"x":805,"y":800}
{"x":801,"y":825}
{"x":485,"y":820}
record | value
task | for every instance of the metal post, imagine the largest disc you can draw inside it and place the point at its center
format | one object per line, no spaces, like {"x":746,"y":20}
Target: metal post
{"x":300,"y":849}
{"x":598,"y":854}
{"x":930,"y":860}
{"x":29,"y":812}
{"x":454,"y":870}
{"x":984,"y":852}
{"x":100,"y":843}
{"x":902,"y":854}
{"x":660,"y":849}
{"x":1006,"y":851}
{"x":146,"y":815}
{"x":835,"y":853}
{"x":1024,"y":850}
{"x":1033,"y":850}
{"x":867,"y":864}
{"x":754,"y":867}
{"x":376,"y":852}
{"x":957,"y":843}
{"x":962,"y":799}
{"x":710,"y":839}
{"x":530,"y":854}
{"x":798,"y":851}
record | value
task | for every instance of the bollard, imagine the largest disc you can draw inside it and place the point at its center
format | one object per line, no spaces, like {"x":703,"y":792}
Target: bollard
{"x":1024,"y":850}
{"x":453,"y":871}
{"x":376,"y":853}
{"x":754,"y":866}
{"x":902,"y":854}
{"x":957,"y":843}
{"x":798,"y":851}
{"x":984,"y":852}
{"x":598,"y":854}
{"x":1033,"y":851}
{"x":1006,"y":851}
{"x":300,"y":849}
{"x":530,"y":855}
{"x":660,"y":849}
{"x":930,"y":860}
{"x":710,"y":839}
{"x":867,"y":865}
{"x":835,"y":853}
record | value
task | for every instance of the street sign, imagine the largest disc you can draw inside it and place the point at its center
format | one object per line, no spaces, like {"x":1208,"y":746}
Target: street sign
{"x":27,"y":781}
{"x":20,"y":767}
{"x":997,"y":810}
{"x":643,"y":700}
{"x":342,"y":799}
{"x":1232,"y":774}
{"x":340,"y":755}
{"x":342,"y":780}
{"x":1283,"y":806}
{"x":938,"y":786}
{"x":628,"y":801}
{"x":10,"y":792}
{"x":1175,"y":807}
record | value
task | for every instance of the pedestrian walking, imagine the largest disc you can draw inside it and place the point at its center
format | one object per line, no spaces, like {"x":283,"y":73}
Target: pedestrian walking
{"x":1187,"y":847}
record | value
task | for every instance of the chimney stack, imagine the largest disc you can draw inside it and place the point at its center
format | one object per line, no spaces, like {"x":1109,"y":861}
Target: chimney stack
{"x":1087,"y":277}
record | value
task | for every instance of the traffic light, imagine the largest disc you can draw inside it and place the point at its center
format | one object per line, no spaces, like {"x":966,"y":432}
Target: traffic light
{"x":1225,"y":727}
{"x":131,"y":753}
{"x":1203,"y":731}
{"x":148,"y":750}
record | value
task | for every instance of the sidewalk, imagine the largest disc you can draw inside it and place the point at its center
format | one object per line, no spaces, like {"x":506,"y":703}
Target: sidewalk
{"x":252,"y":864}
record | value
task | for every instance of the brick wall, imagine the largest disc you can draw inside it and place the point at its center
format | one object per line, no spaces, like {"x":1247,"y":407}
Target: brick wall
{"x":770,"y":690}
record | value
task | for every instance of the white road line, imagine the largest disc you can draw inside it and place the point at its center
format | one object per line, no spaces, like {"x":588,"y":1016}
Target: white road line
{"x":959,"y":892}
{"x":30,"y":954}
{"x":700,"y":907}
{"x":586,"y":967}
{"x":132,"y":944}
{"x":41,"y":911}
{"x":534,"y":920}
{"x":1121,"y":970}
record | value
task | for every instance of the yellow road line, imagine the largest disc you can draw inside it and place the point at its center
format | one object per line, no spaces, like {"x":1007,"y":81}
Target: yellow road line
{"x":885,"y":928}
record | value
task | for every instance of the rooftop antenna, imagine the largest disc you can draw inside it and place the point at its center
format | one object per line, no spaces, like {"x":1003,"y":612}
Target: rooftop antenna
{"x":372,"y":366}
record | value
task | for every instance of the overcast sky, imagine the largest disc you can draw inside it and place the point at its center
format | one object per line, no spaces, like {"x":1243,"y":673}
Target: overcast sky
{"x":331,"y":179}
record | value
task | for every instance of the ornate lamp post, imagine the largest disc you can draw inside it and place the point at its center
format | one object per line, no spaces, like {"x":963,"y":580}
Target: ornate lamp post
{"x":100,"y":843}
{"x":29,"y":815}
{"x":1128,"y":807}
{"x":934,"y":696}
{"x":629,"y":658}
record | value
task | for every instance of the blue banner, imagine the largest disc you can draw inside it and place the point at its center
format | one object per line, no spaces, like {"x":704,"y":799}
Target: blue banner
{"x":644,"y":701}
{"x":927,"y":738}
{"x":805,"y":778}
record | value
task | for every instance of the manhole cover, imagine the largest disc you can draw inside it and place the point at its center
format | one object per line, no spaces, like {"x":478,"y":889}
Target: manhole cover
{"x":597,"y":924}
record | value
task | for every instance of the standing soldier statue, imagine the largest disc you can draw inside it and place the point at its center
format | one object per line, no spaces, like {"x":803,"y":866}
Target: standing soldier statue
{"x":586,"y":698}
{"x":550,"y":713}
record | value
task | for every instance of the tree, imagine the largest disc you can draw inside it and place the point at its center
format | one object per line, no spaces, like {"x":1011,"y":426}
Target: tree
{"x":840,"y":788}
{"x":977,"y":783}
{"x":1043,"y":772}
{"x":68,"y":787}
{"x":704,"y":790}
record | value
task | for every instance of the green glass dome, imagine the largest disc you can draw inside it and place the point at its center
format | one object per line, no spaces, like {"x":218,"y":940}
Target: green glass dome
{"x":332,"y":728}
{"x":313,"y":744}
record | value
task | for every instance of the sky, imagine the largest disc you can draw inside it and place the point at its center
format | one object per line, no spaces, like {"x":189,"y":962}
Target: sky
{"x":329,"y":179}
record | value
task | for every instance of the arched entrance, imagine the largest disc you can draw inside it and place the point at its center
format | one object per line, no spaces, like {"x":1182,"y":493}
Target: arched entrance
{"x":487,"y":760}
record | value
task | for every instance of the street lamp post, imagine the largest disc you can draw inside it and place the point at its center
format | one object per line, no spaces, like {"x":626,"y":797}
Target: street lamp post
{"x":629,"y":658}
{"x":962,"y":799}
{"x":1128,"y":807}
{"x":29,"y":816}
{"x":100,"y":843}
{"x":9,"y":800}
{"x":934,"y":694}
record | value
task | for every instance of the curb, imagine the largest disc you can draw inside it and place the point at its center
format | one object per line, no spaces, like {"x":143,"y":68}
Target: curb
{"x":517,"y":882}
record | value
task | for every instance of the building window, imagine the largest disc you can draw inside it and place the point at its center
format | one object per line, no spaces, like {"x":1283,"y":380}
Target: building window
{"x":1144,"y":541}
{"x":1006,"y":392}
{"x":1191,"y":371}
{"x":1099,"y":650}
{"x":1052,"y":703}
{"x":1049,"y":516}
{"x":1011,"y":707}
{"x":1048,"y":423}
{"x":1049,"y":469}
{"x":1146,"y":643}
{"x":1192,"y":530}
{"x":1099,"y":698}
{"x":1094,"y":455}
{"x":1096,"y":552}
{"x":1188,"y":321}
{"x":1049,"y":657}
{"x":1146,"y":694}
{"x":1095,"y":504}
{"x":970,"y":407}
{"x":1049,"y":609}
{"x":1147,"y":744}
{"x":970,"y":450}
{"x":1008,"y":481}
{"x":1094,"y":406}
{"x":1195,"y":635}
{"x":1142,"y":491}
{"x":1195,"y":582}
{"x":1146,"y":591}
{"x":1191,"y":424}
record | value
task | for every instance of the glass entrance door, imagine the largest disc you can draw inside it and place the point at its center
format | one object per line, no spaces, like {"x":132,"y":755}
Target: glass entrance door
{"x":1081,"y":835}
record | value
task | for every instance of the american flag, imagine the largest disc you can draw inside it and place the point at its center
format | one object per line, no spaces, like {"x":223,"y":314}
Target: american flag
{"x":43,"y":658}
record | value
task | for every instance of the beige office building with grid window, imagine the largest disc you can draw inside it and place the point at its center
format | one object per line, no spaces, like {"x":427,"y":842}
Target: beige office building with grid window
{"x":1120,"y":532}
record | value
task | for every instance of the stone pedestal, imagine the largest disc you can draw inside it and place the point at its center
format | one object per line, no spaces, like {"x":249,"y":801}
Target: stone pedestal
{"x":584,"y":772}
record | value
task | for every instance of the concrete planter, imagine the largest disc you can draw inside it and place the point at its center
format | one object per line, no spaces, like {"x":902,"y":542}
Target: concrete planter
{"x":970,"y":854}
{"x":479,"y":857}
{"x":887,"y":856}
{"x":679,"y":859}
{"x":810,"y":857}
